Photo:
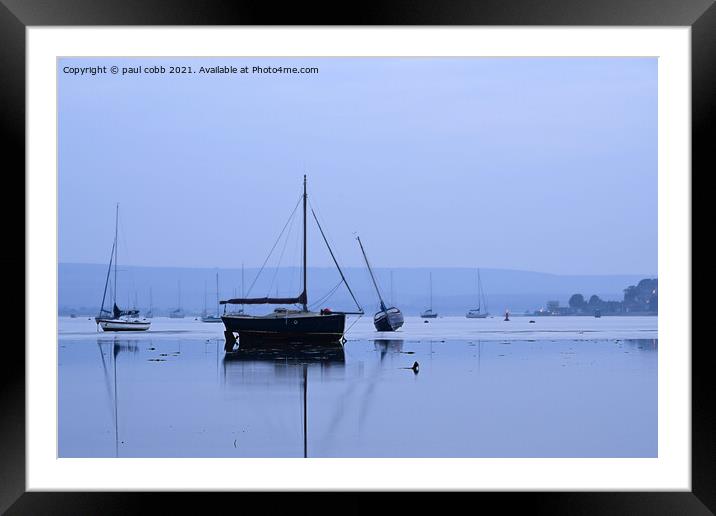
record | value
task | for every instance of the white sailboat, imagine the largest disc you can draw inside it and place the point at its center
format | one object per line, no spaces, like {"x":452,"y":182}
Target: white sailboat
{"x":204,"y":312}
{"x":429,"y":313}
{"x":178,"y":313}
{"x":215,"y":318}
{"x":240,"y":311}
{"x":118,"y":319}
{"x":477,"y":313}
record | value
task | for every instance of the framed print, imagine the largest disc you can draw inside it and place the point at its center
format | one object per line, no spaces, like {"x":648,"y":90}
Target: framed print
{"x":419,"y":250}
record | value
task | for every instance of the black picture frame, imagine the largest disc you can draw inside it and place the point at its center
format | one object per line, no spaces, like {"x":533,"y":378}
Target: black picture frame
{"x":17,"y":15}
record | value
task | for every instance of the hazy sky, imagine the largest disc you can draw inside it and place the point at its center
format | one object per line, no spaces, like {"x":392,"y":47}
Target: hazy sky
{"x":543,"y":164}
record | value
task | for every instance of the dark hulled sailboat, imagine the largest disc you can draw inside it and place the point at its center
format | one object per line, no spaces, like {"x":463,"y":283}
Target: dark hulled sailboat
{"x":387,"y":319}
{"x":290,"y":326}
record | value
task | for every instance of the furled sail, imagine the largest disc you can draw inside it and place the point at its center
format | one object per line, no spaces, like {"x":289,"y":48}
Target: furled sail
{"x":301,"y":299}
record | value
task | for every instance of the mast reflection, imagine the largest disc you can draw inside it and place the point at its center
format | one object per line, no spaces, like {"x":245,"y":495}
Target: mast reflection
{"x":117,"y":347}
{"x":254,"y":364}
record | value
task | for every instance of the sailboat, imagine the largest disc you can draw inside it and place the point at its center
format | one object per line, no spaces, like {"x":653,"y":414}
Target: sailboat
{"x":204,"y":312}
{"x":216,"y":318}
{"x":118,"y":319}
{"x":429,"y":314}
{"x":178,"y":313}
{"x":476,"y":313}
{"x":289,"y":325}
{"x":387,"y":319}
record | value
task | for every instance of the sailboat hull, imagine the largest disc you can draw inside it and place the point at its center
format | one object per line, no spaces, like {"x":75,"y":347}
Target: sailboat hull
{"x":471,"y":315}
{"x":122,"y":325}
{"x":305,"y":327}
{"x":388,"y":320}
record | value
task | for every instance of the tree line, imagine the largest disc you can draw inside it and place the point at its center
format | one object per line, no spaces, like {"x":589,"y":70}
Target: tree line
{"x":642,"y":297}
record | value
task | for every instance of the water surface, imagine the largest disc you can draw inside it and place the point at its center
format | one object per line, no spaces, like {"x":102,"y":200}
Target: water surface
{"x":173,"y":392}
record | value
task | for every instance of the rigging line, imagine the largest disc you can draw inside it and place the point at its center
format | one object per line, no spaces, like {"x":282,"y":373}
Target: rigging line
{"x":354,"y":323}
{"x":297,"y":259}
{"x":326,"y":296}
{"x":106,"y":282}
{"x":129,"y":277}
{"x":274,"y":246}
{"x":283,"y":250}
{"x":343,"y":278}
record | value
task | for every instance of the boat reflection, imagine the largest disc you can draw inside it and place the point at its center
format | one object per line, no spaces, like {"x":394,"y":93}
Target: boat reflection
{"x":643,"y":344}
{"x":116,"y":346}
{"x":294,"y":353}
{"x":253,"y":365}
{"x":385,"y":346}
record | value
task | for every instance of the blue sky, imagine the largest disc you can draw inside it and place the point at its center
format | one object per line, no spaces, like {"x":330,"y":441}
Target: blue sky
{"x":543,"y":164}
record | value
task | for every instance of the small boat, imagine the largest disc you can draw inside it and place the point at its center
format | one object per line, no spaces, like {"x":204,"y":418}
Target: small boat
{"x":597,"y":313}
{"x":216,"y":318}
{"x":289,"y":326}
{"x":150,"y":312}
{"x":429,"y":314}
{"x":118,"y":319}
{"x":178,"y":313}
{"x":239,"y":311}
{"x":388,"y":318}
{"x":477,"y":313}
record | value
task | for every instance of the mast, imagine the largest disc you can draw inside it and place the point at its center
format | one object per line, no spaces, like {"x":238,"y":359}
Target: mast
{"x":431,"y":291}
{"x":375,"y":284}
{"x":242,"y":284}
{"x":478,"y":290}
{"x":217,"y":293}
{"x":305,"y":285}
{"x":116,"y":228}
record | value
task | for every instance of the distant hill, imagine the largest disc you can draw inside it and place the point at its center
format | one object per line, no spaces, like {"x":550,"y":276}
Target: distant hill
{"x":454,"y":289}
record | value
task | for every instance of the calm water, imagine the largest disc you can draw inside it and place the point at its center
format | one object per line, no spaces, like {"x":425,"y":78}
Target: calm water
{"x":174,"y":393}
